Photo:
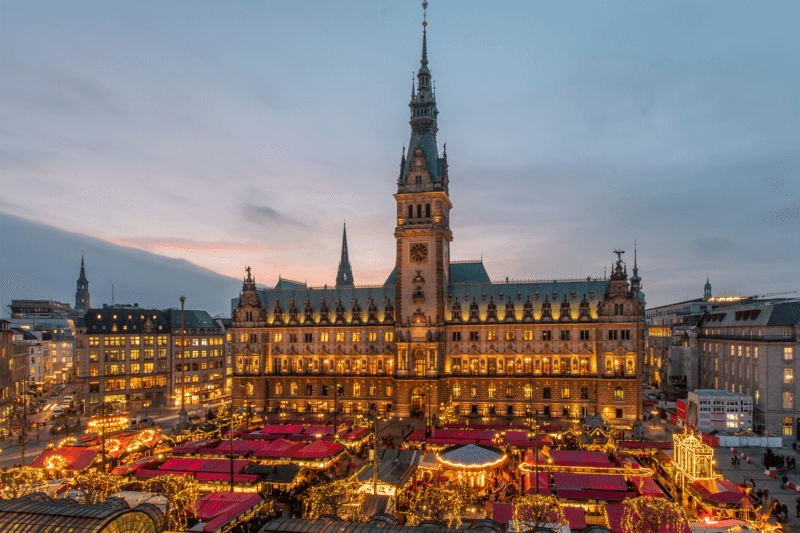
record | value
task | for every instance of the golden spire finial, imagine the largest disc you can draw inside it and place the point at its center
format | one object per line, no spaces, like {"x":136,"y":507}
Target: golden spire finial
{"x":424,"y":12}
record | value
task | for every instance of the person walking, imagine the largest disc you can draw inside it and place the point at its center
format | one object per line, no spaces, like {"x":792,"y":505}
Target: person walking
{"x":797,"y":506}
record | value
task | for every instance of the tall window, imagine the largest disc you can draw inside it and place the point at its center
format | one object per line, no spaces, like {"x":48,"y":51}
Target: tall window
{"x":788,"y":400}
{"x":584,"y":393}
{"x":546,"y":392}
{"x":473,"y":391}
{"x":492,"y":390}
{"x":619,"y":394}
{"x":788,"y":375}
{"x":419,"y":210}
{"x":788,"y":353}
{"x":456,"y":390}
{"x":565,"y":392}
{"x":527,"y":389}
{"x":411,"y":211}
{"x":509,"y":391}
{"x":428,"y":210}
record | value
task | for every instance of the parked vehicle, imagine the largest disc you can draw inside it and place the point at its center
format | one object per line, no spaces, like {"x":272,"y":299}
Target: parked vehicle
{"x":144,"y":420}
{"x":58,"y":410}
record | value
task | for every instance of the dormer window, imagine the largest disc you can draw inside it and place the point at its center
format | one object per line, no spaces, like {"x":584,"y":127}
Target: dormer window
{"x":419,"y":180}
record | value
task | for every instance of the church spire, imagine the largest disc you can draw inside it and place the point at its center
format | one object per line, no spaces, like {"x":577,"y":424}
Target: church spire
{"x":636,"y":281}
{"x":82,"y":292}
{"x":344,"y":276}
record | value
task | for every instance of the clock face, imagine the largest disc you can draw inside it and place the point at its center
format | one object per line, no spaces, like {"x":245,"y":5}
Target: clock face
{"x":419,"y":252}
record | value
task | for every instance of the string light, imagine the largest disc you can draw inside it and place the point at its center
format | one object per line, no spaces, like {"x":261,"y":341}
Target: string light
{"x":19,"y":481}
{"x":648,"y":514}
{"x":440,"y":504}
{"x":341,"y":498}
{"x":181,"y":493}
{"x":536,"y":510}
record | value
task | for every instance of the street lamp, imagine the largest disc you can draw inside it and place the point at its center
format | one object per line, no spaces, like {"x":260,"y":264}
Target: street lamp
{"x":375,"y":418}
{"x":183,"y":415}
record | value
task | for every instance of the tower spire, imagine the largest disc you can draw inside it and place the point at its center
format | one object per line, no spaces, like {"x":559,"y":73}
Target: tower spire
{"x":344,"y":276}
{"x":82,"y":292}
{"x":636,"y":281}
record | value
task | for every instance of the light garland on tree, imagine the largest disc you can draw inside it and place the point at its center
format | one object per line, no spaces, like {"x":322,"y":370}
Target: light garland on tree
{"x":440,"y":504}
{"x":18,"y":481}
{"x":536,"y":510}
{"x":648,"y":514}
{"x":341,"y":498}
{"x":181,"y":492}
{"x":96,"y":486}
{"x":449,"y":413}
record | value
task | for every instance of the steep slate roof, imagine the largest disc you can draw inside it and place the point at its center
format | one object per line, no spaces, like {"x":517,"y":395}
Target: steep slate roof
{"x":468,"y":272}
{"x":284,"y":284}
{"x":345,"y":295}
{"x":135,"y":318}
{"x":769,"y":314}
{"x":192,"y":319}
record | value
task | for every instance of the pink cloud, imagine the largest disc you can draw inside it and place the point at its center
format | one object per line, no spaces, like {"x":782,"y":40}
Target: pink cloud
{"x":178,"y":244}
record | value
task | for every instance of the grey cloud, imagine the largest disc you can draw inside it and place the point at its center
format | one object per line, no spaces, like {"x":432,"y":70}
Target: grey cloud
{"x":783,"y":216}
{"x":263,"y":214}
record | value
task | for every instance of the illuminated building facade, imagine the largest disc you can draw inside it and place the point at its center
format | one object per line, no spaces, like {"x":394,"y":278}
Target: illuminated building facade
{"x":132,"y":358}
{"x":438,"y":330}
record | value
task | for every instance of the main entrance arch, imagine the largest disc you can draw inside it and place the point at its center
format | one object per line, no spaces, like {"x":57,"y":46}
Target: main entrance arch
{"x":418,"y":399}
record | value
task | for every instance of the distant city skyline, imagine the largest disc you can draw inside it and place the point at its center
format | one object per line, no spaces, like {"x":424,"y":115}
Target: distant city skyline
{"x":246,"y":133}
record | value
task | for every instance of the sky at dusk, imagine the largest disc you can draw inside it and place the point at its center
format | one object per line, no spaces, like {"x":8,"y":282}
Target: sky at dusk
{"x":245,"y":133}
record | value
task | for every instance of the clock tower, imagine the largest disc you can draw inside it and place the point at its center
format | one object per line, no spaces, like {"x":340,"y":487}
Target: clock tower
{"x":423,"y":213}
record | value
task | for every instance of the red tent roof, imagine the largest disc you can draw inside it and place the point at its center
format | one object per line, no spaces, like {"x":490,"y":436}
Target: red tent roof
{"x":77,"y":458}
{"x":280,"y":448}
{"x":417,"y":434}
{"x":130,"y":468}
{"x":219,"y":508}
{"x":718,"y":490}
{"x":319,"y":449}
{"x":646,"y":486}
{"x":575,"y":516}
{"x":579,"y":458}
{"x":607,"y":495}
{"x":502,"y":513}
{"x":355,"y":434}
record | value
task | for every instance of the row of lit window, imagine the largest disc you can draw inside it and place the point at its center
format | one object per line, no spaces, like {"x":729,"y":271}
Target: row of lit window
{"x":213,"y":341}
{"x":135,"y":383}
{"x":619,"y":393}
{"x":119,"y":355}
{"x":196,"y":366}
{"x":114,"y":370}
{"x":124,"y":340}
{"x":324,"y":389}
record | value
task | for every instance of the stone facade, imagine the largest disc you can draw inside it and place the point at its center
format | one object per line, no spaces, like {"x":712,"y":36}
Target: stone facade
{"x":439,"y":330}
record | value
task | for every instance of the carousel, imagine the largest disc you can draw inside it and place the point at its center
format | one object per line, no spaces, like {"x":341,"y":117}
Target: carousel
{"x":476,"y":464}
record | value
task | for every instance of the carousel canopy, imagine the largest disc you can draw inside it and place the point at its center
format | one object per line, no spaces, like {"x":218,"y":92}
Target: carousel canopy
{"x":471,"y":456}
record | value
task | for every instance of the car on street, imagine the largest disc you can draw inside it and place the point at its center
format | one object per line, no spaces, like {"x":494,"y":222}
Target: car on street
{"x":58,"y":410}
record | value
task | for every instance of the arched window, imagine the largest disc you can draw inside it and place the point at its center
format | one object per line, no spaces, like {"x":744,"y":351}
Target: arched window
{"x":419,"y":210}
{"x":546,"y":392}
{"x":565,"y":392}
{"x":428,"y":210}
{"x":356,"y":389}
{"x":584,"y":393}
{"x":619,"y":394}
{"x":410,"y":211}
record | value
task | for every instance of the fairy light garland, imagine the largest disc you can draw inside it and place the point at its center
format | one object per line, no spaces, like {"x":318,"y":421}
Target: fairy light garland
{"x":19,"y":480}
{"x":341,"y":498}
{"x":440,"y":504}
{"x":536,"y":510}
{"x":181,"y":493}
{"x":648,"y":514}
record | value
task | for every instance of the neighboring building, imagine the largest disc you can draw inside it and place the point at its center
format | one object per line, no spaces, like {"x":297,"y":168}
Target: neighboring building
{"x":709,"y":409}
{"x":123,"y":357}
{"x":438,"y":330}
{"x":203,"y":370}
{"x":754,"y":349}
{"x":131,"y":357}
{"x":42,"y":309}
{"x":28,"y":365}
{"x":6,"y":360}
{"x":225,"y":324}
